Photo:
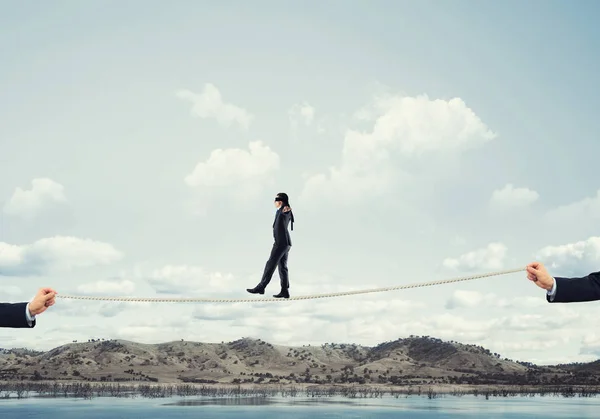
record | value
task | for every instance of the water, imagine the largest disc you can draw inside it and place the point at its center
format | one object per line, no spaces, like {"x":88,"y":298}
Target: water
{"x":323,"y":408}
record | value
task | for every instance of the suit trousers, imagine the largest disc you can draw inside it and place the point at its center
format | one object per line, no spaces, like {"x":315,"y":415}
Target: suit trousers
{"x":277,"y":259}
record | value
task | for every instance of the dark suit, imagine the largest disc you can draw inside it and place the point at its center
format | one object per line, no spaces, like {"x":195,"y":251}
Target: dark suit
{"x":573,"y":290}
{"x":279,"y":251}
{"x":13,"y":315}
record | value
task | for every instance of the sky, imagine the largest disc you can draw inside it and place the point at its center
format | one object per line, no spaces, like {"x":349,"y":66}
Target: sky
{"x":142,"y":144}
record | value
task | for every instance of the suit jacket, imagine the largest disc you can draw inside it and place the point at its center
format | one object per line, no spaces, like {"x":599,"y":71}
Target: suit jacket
{"x":280,"y":227}
{"x":572,"y":290}
{"x":13,"y":315}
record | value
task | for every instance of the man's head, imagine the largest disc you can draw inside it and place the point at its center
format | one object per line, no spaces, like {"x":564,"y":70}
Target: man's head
{"x":281,"y":199}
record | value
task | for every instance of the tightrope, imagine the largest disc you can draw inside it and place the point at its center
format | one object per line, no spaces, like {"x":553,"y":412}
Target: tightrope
{"x":303,"y":297}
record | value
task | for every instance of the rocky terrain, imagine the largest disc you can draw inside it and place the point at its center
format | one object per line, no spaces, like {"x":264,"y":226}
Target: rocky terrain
{"x":409,"y":361}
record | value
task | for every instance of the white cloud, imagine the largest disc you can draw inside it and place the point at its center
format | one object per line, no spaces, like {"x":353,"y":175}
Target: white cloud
{"x":509,"y":198}
{"x":44,"y":192}
{"x":448,"y":326}
{"x":210,"y":104}
{"x":576,"y":258}
{"x":302,"y":112}
{"x":521,"y":302}
{"x":541,"y":344}
{"x":244,"y":173}
{"x":220,"y":311}
{"x":183,"y":279}
{"x":490,"y":257}
{"x":374,"y":309}
{"x":590,"y":344}
{"x":54,"y":253}
{"x":470,"y":299}
{"x":460,"y":324}
{"x":114,"y":288}
{"x":71,"y":308}
{"x":112,"y":308}
{"x":587,"y":209}
{"x":11,"y":292}
{"x":524,"y":322}
{"x":403,"y":127}
{"x":464,"y":299}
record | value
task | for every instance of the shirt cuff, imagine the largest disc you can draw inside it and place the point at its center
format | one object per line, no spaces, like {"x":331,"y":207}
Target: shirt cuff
{"x":28,"y":315}
{"x":552,"y":292}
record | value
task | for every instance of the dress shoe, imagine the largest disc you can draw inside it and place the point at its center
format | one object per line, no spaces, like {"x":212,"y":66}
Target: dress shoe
{"x":283,"y":294}
{"x":255,"y":290}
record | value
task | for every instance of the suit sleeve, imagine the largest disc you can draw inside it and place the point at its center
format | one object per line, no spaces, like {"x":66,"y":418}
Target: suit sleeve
{"x":575,"y":290}
{"x":13,"y":315}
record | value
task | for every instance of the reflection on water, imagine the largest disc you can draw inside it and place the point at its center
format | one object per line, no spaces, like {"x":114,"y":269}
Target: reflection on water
{"x":260,"y":407}
{"x":263,"y":401}
{"x":224,"y":401}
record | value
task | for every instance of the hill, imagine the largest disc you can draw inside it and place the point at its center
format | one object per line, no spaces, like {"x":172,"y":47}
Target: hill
{"x":413,"y":360}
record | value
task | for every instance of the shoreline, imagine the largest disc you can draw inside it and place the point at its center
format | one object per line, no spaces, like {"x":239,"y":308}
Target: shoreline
{"x":87,"y":390}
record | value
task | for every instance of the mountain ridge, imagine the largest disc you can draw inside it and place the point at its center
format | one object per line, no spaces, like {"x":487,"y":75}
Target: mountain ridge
{"x":404,"y":361}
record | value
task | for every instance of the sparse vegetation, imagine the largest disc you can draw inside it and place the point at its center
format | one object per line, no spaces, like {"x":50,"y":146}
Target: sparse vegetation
{"x":400,"y":366}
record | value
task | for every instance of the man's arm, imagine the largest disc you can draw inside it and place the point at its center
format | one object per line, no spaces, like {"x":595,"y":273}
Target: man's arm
{"x":16,"y":315}
{"x":22,"y":315}
{"x":565,"y":290}
{"x":580,"y":289}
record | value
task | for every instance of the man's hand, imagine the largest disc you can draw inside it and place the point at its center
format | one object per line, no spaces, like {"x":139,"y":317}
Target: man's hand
{"x":537,"y":273}
{"x":286,"y":209}
{"x":42,"y":300}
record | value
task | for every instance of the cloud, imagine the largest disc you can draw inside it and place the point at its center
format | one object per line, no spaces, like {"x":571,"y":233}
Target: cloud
{"x":73,"y":308}
{"x":578,"y":258}
{"x":44,"y":193}
{"x":11,"y":292}
{"x":590,"y":344}
{"x":184,"y":279}
{"x":464,"y":299}
{"x":402,"y":128}
{"x":210,"y":104}
{"x":470,"y":299}
{"x":366,"y":310}
{"x":586,"y":209}
{"x":541,"y":344}
{"x":220,"y":311}
{"x":334,"y":311}
{"x":54,"y":253}
{"x":509,"y":198}
{"x":524,"y":322}
{"x":244,"y":173}
{"x":522,"y":302}
{"x":146,"y":329}
{"x":450,"y":327}
{"x":302,"y":112}
{"x":490,"y":257}
{"x":112,"y":308}
{"x":114,"y":288}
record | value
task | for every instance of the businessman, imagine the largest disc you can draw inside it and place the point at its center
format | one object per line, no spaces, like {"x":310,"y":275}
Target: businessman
{"x":281,"y":248}
{"x":565,"y":290}
{"x":21,"y":315}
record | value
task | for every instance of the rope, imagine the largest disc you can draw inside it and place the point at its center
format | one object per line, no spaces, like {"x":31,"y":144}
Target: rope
{"x":304,"y":297}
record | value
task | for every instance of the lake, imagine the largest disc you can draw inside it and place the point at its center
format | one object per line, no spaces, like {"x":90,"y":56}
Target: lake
{"x":417,"y":407}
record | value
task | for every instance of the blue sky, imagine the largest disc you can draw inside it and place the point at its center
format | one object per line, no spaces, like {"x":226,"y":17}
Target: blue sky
{"x":92,"y":102}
